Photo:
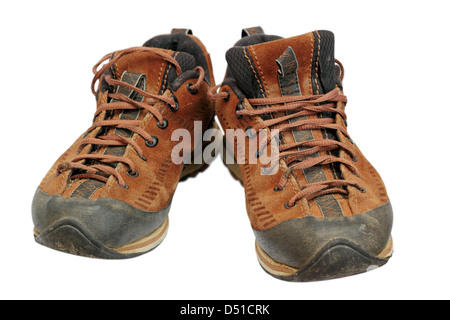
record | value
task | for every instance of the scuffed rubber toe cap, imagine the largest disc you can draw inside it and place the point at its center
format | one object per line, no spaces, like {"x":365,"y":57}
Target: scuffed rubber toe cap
{"x":308,"y":242}
{"x":92,"y":228}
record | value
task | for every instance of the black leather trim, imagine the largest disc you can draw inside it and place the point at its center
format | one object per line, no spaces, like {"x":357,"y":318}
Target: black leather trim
{"x":246,"y":32}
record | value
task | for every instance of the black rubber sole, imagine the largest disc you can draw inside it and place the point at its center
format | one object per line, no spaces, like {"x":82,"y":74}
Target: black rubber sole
{"x":103,"y":228}
{"x":68,"y":236}
{"x":338,"y":259}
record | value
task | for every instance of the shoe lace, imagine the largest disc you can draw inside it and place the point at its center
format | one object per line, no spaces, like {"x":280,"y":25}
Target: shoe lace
{"x":305,"y":154}
{"x":94,"y":165}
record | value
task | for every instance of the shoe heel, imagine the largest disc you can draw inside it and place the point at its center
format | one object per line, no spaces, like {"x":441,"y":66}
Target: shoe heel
{"x":193,"y":169}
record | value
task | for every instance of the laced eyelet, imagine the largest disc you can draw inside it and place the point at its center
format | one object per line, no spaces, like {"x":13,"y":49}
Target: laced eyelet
{"x":238,"y":108}
{"x":176,"y":106}
{"x":362,"y":190}
{"x":134,"y":174}
{"x":164,"y":124}
{"x":191,"y":91}
{"x":142,"y":157}
{"x":123,"y":187}
{"x":276,"y":189}
{"x":287,"y":206}
{"x":153,"y":144}
{"x":355,"y":159}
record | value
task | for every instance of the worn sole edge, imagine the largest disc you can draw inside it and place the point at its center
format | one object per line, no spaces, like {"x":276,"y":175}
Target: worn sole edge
{"x":148,"y":243}
{"x":337,"y":259}
{"x":349,"y":251}
{"x":71,"y":237}
{"x":95,"y":248}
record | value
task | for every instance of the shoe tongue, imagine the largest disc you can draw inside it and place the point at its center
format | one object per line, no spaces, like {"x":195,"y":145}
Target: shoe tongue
{"x":302,"y":65}
{"x":157,"y":73}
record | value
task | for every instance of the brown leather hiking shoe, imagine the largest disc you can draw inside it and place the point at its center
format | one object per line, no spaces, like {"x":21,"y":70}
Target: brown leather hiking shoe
{"x":318,"y":208}
{"x":108,"y":196}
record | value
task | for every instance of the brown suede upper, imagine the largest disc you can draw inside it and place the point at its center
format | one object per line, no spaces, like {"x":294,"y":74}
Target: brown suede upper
{"x":158,"y":176}
{"x":265,"y":206}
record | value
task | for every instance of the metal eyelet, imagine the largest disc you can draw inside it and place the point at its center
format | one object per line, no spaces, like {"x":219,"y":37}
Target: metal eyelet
{"x":153,"y":144}
{"x":191,"y":91}
{"x":176,"y":106}
{"x":123,"y":187}
{"x":228,"y":97}
{"x":239,"y":107}
{"x":355,"y":159}
{"x":276,"y":189}
{"x":287,"y":206}
{"x":133,"y":175}
{"x":164,"y":124}
{"x":142,"y":157}
{"x":362,"y":190}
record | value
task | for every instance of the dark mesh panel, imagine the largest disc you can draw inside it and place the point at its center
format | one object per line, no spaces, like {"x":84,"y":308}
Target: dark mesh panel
{"x":183,"y":43}
{"x":186,"y":62}
{"x":326,"y":61}
{"x":240,"y":64}
{"x":235,"y":57}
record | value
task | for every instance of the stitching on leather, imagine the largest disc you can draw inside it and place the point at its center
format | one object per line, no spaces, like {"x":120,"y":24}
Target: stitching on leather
{"x":167,"y":74}
{"x":116,"y":68}
{"x":333,"y":171}
{"x":254,"y":72}
{"x":317,"y":64}
{"x":261,"y":72}
{"x":165,"y":79}
{"x":311,"y":90}
{"x":160,"y":72}
{"x":318,"y":92}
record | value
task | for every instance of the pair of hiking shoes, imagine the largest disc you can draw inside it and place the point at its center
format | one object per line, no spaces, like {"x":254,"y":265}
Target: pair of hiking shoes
{"x":319,"y":210}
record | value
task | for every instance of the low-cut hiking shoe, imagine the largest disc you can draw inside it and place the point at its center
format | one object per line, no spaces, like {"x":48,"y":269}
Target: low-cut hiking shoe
{"x":318,"y":208}
{"x":108,"y":196}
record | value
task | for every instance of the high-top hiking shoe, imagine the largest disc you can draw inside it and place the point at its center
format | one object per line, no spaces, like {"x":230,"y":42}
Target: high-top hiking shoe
{"x":318,"y":208}
{"x":108,"y":196}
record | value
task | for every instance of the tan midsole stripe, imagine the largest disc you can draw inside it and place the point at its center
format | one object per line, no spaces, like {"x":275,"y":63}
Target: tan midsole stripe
{"x":271,"y":265}
{"x":155,"y":236}
{"x":145,"y":242}
{"x":280,"y":269}
{"x":388,"y":250}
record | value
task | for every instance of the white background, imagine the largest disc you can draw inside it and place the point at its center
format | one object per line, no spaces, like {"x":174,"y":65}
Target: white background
{"x":397,"y":62}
